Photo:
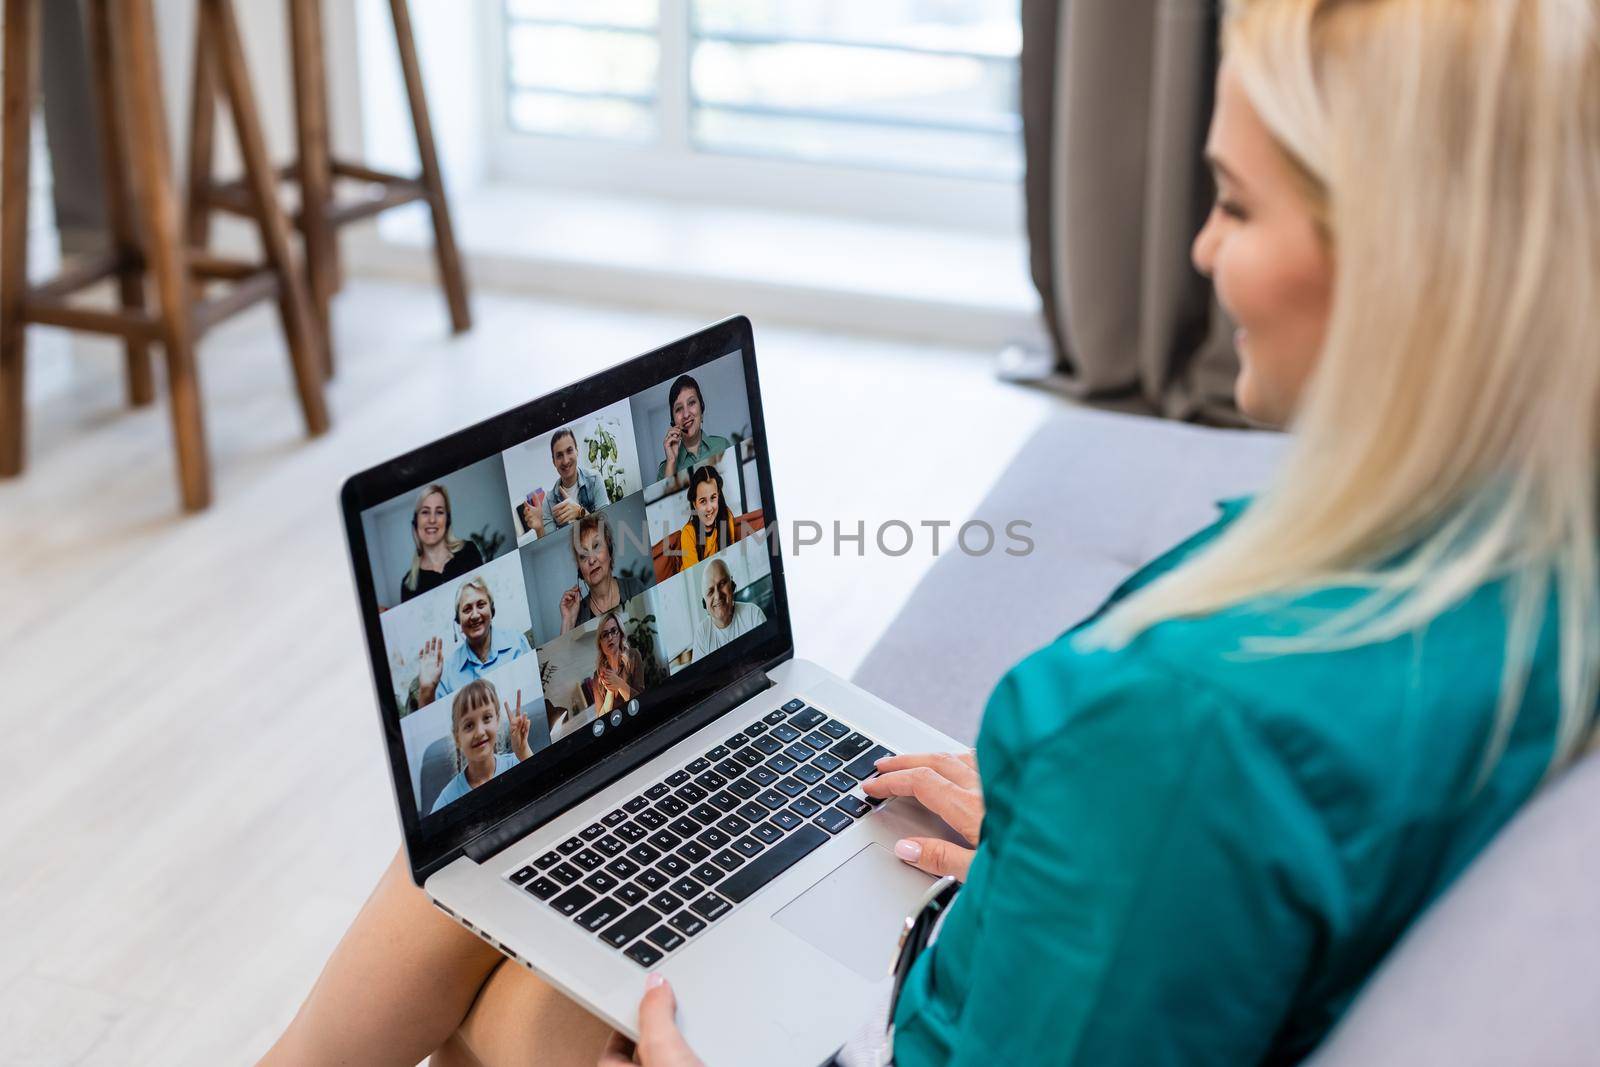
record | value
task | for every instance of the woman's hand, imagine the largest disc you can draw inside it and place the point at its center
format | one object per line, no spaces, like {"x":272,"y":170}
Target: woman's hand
{"x":569,"y":608}
{"x":519,"y":729}
{"x":670,"y":444}
{"x":608,"y":680}
{"x":430,"y":668}
{"x":945,"y":784}
{"x":660,"y":1043}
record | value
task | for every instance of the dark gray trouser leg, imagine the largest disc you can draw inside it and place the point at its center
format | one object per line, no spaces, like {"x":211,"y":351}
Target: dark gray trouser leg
{"x":69,"y":127}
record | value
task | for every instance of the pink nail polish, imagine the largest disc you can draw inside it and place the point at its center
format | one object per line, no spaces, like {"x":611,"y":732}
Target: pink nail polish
{"x":653,"y":979}
{"x":908,"y":850}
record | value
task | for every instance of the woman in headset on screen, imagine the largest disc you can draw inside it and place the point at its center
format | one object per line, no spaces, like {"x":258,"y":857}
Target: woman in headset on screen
{"x":440,"y":554}
{"x":482,"y":646}
{"x":594,"y":553}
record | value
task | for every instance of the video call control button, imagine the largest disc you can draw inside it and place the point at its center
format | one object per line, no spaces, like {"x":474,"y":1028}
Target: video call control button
{"x":616,"y":718}
{"x":633,"y":706}
{"x":599,"y":727}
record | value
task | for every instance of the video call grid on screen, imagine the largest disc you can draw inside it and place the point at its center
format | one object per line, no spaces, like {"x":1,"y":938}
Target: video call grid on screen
{"x":489,"y":579}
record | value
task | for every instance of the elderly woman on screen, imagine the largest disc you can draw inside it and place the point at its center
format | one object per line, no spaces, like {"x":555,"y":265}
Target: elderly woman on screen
{"x":482,"y":648}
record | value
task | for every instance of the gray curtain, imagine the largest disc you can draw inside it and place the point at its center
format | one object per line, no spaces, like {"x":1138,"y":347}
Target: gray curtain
{"x":1116,"y":99}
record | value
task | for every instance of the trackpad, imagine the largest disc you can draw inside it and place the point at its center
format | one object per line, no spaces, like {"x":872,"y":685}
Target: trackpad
{"x":855,"y":914}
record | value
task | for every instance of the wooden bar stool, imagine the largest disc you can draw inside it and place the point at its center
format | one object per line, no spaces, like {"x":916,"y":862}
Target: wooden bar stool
{"x":321,"y":215}
{"x":145,"y":227}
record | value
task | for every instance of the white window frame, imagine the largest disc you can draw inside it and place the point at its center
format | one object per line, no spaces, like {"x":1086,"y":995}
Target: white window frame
{"x":670,"y":168}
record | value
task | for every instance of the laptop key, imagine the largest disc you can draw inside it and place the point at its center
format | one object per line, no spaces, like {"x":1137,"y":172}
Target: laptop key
{"x":631,"y":832}
{"x":737,"y":741}
{"x":623,"y":867}
{"x":601,"y":882}
{"x":728,"y":860}
{"x":842,"y":782}
{"x":666,"y":840}
{"x":717,"y":754}
{"x":738,"y":887}
{"x":547,"y":859}
{"x":767,"y":833}
{"x":589,"y":860}
{"x":805,"y":807}
{"x":670,"y":806}
{"x":636,"y":805}
{"x":709,"y":873}
{"x":834,"y":729}
{"x":673,"y":866}
{"x":785,"y":733}
{"x":569,"y":902}
{"x":690,"y":794}
{"x":823,"y":795}
{"x":748,"y":847}
{"x":592,"y":831}
{"x":749,"y":756}
{"x":852,"y":746}
{"x":677,"y":778}
{"x":630,"y":894}
{"x":732,"y":825}
{"x":652,"y":879}
{"x":687,"y":922}
{"x":772,"y":718}
{"x":853,"y":806}
{"x":543,"y":888}
{"x":790,"y":788}
{"x":794,"y":705}
{"x":744,"y":788}
{"x":756,"y":729}
{"x":809,"y":773}
{"x":805,"y":720}
{"x":769,"y":745}
{"x":569,"y":846}
{"x":643,"y":854}
{"x":666,"y":938}
{"x":772,"y":799}
{"x":710,"y":907}
{"x":522,"y":876}
{"x":657,"y":791}
{"x":683,"y":826}
{"x":665,"y":903}
{"x":694,"y":852}
{"x":714,"y":838}
{"x":833,"y":820}
{"x":730,"y":768}
{"x":827,"y":763}
{"x":816,"y":740}
{"x":650,"y":819}
{"x":781,"y":764}
{"x":799,"y":752}
{"x":698,"y":764}
{"x":616,"y":818}
{"x":865,"y":765}
{"x":762,"y":776}
{"x":630,"y":926}
{"x":609,"y":846}
{"x":704,"y":814}
{"x":787,"y":819}
{"x":753,"y":812}
{"x":710,"y":780}
{"x":687,"y":888}
{"x":565,"y":873}
{"x":644,"y":954}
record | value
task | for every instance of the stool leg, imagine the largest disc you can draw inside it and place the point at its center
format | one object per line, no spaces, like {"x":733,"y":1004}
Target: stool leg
{"x":202,"y":142}
{"x":444,"y":240}
{"x":316,"y":175}
{"x":119,"y":209}
{"x":309,"y":362}
{"x":140,"y":78}
{"x":21,"y":50}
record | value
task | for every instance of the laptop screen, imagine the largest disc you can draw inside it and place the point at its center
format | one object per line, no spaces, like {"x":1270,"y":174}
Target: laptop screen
{"x":556,"y":581}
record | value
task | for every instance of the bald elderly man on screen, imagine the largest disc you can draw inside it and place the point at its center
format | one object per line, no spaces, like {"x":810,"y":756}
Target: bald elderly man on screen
{"x":725,"y":618}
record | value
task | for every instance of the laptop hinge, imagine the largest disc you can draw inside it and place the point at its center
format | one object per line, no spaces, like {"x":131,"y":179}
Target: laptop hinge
{"x":541,"y":810}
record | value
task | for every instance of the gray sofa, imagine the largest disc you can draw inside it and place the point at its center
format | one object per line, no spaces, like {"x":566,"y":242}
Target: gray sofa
{"x":1504,"y":969}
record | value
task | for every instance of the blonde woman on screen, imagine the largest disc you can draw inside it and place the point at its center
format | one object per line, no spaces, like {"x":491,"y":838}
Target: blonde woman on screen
{"x":618,"y":668}
{"x":1206,"y":814}
{"x":440,"y":555}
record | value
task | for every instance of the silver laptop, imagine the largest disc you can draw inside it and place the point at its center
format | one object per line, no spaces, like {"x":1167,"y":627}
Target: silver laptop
{"x":606,"y":758}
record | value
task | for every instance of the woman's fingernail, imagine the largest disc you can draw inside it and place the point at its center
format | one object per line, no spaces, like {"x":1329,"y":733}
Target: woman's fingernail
{"x":908,"y":850}
{"x":879,"y":761}
{"x":653,"y":979}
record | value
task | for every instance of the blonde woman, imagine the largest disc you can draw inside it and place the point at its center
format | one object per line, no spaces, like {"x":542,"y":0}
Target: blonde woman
{"x":1215,"y":805}
{"x":475,"y":728}
{"x":618,"y":668}
{"x":440,"y":554}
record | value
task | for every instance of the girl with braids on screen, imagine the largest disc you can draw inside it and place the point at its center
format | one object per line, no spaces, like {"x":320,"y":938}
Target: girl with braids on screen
{"x":440,"y":554}
{"x":475,"y":728}
{"x":710,"y":527}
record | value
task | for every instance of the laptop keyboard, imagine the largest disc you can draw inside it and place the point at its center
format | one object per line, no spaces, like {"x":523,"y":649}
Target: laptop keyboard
{"x":682,"y":854}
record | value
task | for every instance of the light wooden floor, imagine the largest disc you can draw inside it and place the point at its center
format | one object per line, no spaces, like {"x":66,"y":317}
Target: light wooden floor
{"x":194,"y":801}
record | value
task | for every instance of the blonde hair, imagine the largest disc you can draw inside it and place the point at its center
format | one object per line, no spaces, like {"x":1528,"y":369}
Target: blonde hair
{"x":1452,"y":156}
{"x":470,"y":697}
{"x":451,"y":541}
{"x":624,"y":651}
{"x":481,"y":586}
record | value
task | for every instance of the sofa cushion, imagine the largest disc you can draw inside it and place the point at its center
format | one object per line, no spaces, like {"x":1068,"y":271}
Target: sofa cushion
{"x":1104,"y":494}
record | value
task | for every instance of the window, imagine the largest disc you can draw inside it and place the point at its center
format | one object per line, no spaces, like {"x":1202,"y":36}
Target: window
{"x":925,"y":89}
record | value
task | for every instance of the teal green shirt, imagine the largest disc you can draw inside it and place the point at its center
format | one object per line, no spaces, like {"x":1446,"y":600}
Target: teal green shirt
{"x":710,"y":446}
{"x":1192,"y":855}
